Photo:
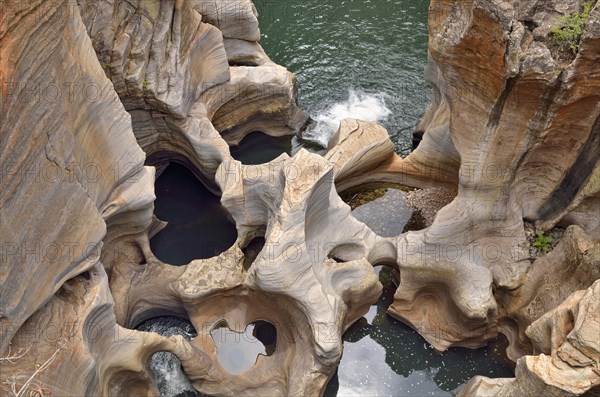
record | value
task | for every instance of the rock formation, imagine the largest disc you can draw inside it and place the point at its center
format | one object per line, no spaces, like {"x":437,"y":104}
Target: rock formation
{"x":568,"y":351}
{"x":169,"y":64}
{"x":517,"y":122}
{"x":96,"y":93}
{"x":77,"y":271}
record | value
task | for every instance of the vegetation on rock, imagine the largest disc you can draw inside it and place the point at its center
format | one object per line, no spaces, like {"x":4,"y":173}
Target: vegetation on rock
{"x":542,"y":242}
{"x":572,"y":26}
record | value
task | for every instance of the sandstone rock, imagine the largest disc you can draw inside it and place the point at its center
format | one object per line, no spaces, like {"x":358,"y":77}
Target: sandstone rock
{"x":108,"y":280}
{"x":572,"y":265}
{"x":169,"y":63}
{"x":245,"y":53}
{"x":255,"y":99}
{"x":59,"y":179}
{"x":310,"y":241}
{"x":568,"y":338}
{"x":526,"y":119}
{"x":236,"y":19}
{"x":513,"y":128}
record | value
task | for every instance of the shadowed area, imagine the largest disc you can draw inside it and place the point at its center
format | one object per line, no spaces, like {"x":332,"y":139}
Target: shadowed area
{"x":199,"y":227}
{"x":383,"y":357}
{"x":259,"y":148}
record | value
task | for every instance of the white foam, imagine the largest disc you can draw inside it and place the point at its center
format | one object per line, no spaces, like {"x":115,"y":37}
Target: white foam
{"x":359,"y":105}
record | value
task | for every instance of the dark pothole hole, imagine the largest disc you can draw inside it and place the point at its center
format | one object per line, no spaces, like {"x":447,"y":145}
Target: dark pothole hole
{"x":199,"y":227}
{"x":259,"y":148}
{"x":251,"y":251}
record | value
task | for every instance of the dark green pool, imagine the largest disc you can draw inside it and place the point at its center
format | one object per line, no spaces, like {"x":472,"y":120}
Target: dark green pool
{"x":365,"y":59}
{"x":375,"y":48}
{"x":198,"y":226}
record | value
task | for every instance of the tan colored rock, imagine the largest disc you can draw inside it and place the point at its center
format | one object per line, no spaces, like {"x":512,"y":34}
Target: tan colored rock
{"x":110,"y":281}
{"x":93,"y":355}
{"x":261,"y":98}
{"x":314,"y":252}
{"x":525,"y":130}
{"x":169,"y":63}
{"x":512,"y":126}
{"x":245,"y":53}
{"x":568,"y":338}
{"x":63,"y":162}
{"x":159,"y":55}
{"x":572,"y":265}
{"x":236,"y":19}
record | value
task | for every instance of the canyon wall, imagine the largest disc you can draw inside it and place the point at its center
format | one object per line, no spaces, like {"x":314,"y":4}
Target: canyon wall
{"x":95,"y":94}
{"x":515,"y":117}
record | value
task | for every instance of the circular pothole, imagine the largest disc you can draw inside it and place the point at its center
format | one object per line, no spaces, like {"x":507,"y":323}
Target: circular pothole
{"x":237,"y":352}
{"x":259,"y":148}
{"x":199,"y":227}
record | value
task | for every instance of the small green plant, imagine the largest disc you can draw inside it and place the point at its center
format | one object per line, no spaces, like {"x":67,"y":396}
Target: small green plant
{"x":109,"y":65}
{"x":145,"y":84}
{"x":572,"y":26}
{"x":542,"y":242}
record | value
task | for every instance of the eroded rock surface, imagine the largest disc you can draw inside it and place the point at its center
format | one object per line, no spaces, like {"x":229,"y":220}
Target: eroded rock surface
{"x":73,"y":314}
{"x":567,"y":340}
{"x":513,"y":128}
{"x":518,"y":124}
{"x":178,"y":68}
{"x":524,"y":131}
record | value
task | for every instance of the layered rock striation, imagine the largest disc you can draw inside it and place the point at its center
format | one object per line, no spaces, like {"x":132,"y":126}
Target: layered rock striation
{"x":180,"y":80}
{"x":517,"y":121}
{"x":96,"y":93}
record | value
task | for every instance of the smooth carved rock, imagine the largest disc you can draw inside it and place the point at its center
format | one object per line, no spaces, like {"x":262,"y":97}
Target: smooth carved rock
{"x":512,"y":128}
{"x":169,"y":63}
{"x":71,"y":167}
{"x":159,"y":55}
{"x":572,"y":264}
{"x":311,"y":241}
{"x":261,"y":98}
{"x":568,"y":338}
{"x":525,"y":134}
{"x":113,"y":281}
{"x":94,"y":355}
{"x":308,"y":226}
{"x":63,"y":160}
{"x":236,"y":19}
{"x":245,"y":53}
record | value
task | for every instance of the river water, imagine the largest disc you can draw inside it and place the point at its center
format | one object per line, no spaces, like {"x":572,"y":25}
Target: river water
{"x":353,"y":58}
{"x":382,"y":356}
{"x":365,"y":59}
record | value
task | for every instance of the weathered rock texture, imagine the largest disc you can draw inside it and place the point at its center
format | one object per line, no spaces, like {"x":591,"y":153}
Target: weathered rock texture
{"x":77,"y":272}
{"x":517,"y":125}
{"x":71,"y":167}
{"x":170,"y":63}
{"x":87,"y":88}
{"x":568,"y":346}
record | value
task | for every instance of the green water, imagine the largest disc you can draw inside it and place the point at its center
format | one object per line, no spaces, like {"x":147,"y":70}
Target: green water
{"x":258,"y":148}
{"x":384,"y":357}
{"x":376,"y":47}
